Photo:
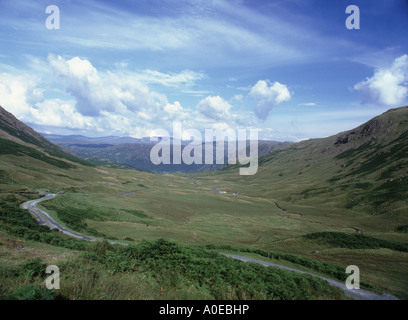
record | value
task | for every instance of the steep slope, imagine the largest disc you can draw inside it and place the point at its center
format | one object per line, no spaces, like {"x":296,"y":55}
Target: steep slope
{"x":13,"y":129}
{"x":29,"y":161}
{"x":18,"y":138}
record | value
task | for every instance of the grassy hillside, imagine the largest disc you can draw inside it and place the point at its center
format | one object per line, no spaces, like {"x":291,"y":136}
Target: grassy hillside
{"x":17,"y":137}
{"x":363,"y":169}
{"x":310,"y":200}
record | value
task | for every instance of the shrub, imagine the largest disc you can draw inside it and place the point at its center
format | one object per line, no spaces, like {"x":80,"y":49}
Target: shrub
{"x":20,"y":223}
{"x":33,"y":268}
{"x":355,"y":241}
{"x":172,"y":263}
{"x":402,"y":229}
{"x":31,"y":292}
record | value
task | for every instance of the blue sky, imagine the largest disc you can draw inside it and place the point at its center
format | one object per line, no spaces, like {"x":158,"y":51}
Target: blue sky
{"x":289,"y":68}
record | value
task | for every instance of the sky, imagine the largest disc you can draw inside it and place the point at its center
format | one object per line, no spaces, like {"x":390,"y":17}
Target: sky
{"x":289,"y":68}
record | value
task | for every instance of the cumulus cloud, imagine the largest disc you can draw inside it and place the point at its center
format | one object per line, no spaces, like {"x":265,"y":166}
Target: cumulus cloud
{"x":387,"y":86}
{"x":61,"y":113}
{"x":22,"y":96}
{"x":95,"y":92}
{"x":82,"y":82}
{"x":116,"y":102}
{"x":215,"y":107}
{"x":268,"y":95}
{"x":98,"y":101}
{"x":17,"y":93}
{"x":176,"y":112}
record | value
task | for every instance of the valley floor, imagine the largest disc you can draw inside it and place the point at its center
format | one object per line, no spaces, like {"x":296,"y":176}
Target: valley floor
{"x":189,"y":210}
{"x":272,"y":213}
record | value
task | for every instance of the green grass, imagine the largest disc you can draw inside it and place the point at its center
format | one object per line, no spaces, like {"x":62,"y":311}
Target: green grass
{"x":138,"y":213}
{"x":41,"y":142}
{"x":402,"y":229}
{"x":18,"y":222}
{"x":334,"y":271}
{"x":354,"y":151}
{"x":171,"y":271}
{"x":10,"y":147}
{"x":174,"y":264}
{"x":194,"y":214}
{"x":340,"y":187}
{"x":394,"y":190}
{"x":22,"y":135}
{"x":355,"y":241}
{"x":74,"y":217}
{"x":180,"y":211}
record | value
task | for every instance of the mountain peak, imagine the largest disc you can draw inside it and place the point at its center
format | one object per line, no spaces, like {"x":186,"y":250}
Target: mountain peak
{"x":382,"y":128}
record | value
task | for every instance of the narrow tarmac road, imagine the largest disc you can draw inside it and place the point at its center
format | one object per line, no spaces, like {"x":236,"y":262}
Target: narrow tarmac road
{"x":44,"y":218}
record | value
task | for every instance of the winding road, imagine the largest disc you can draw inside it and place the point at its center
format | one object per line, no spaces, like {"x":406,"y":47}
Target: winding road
{"x":43,"y":218}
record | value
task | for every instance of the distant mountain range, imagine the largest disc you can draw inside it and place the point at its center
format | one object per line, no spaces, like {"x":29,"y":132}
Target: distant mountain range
{"x":135,"y":153}
{"x":116,"y":151}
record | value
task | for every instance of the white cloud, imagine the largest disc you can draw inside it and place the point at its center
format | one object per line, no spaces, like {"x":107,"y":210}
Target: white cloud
{"x":183,"y":78}
{"x":173,"y":108}
{"x":196,"y":93}
{"x":84,"y":83}
{"x":17,"y":93}
{"x":268,"y":95}
{"x":176,"y":112}
{"x":387,"y":86}
{"x":100,"y":101}
{"x":215,"y":107}
{"x":308,"y":104}
{"x":59,"y":113}
{"x":22,"y":96}
{"x":112,"y":92}
{"x":238,"y":97}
